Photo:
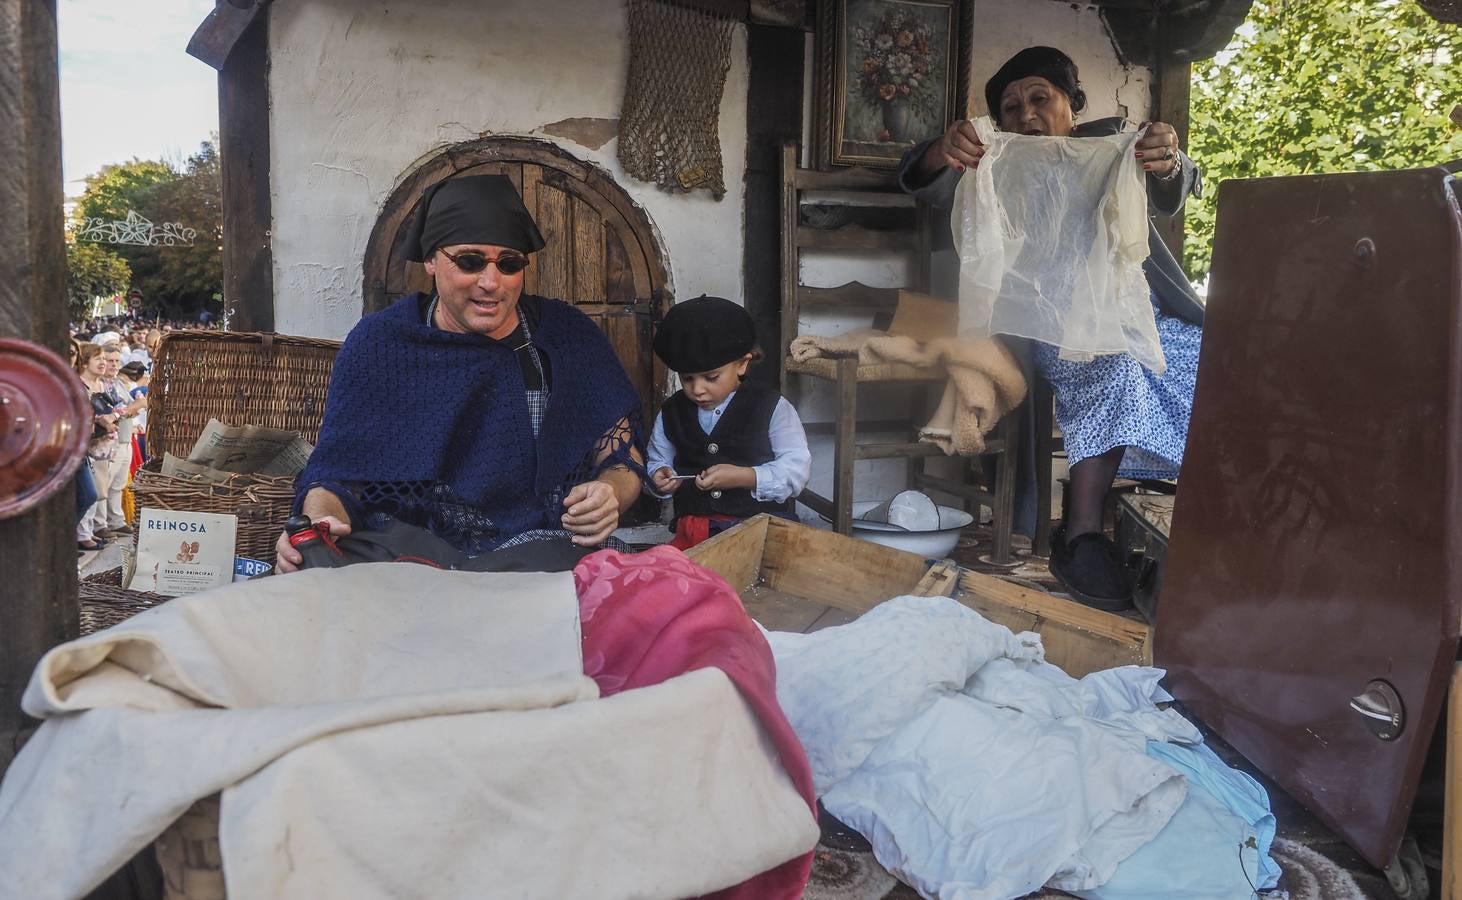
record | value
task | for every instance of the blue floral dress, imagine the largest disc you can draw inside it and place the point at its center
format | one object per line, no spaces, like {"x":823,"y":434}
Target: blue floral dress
{"x":1113,"y":401}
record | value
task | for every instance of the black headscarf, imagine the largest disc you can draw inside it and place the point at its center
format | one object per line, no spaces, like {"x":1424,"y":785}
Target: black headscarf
{"x":1047,"y":62}
{"x":474,"y":209}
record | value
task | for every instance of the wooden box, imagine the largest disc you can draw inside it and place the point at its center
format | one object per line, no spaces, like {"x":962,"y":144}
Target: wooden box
{"x":796,"y":578}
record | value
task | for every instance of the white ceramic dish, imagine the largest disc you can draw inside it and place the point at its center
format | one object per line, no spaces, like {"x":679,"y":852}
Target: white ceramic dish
{"x":929,"y":544}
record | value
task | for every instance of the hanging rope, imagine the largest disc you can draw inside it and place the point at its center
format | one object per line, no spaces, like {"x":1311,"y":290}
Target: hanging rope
{"x":669,"y":127}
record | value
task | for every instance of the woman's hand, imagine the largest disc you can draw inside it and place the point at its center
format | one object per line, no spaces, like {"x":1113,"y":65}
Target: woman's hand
{"x":959,"y":148}
{"x":1157,"y":152}
{"x":726,"y":477}
{"x":593,"y":512}
{"x":664,"y":481}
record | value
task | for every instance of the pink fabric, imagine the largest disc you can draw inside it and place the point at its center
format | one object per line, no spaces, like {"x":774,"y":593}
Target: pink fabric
{"x":650,"y":616}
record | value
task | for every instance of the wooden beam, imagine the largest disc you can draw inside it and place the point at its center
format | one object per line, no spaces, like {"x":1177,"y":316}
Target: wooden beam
{"x":243,"y":132}
{"x":775,"y":59}
{"x":37,"y":551}
{"x":1173,"y":78}
{"x":220,"y":32}
{"x":1452,"y":793}
{"x":854,"y":239}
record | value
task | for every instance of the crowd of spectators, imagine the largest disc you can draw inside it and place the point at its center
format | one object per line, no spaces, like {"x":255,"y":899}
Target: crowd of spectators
{"x":113,"y":358}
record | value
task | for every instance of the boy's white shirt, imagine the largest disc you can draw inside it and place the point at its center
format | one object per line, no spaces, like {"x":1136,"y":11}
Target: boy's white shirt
{"x":784,"y":476}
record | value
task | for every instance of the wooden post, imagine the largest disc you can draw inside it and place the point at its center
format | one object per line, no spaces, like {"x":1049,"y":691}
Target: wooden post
{"x":37,"y":550}
{"x":775,"y":116}
{"x":243,"y":135}
{"x":1170,"y":98}
{"x":845,"y":450}
{"x":1451,"y":813}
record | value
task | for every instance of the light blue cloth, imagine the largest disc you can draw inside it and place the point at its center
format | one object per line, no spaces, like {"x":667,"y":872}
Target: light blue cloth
{"x":1204,"y":853}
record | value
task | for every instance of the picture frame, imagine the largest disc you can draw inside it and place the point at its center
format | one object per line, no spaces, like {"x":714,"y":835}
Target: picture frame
{"x":889,"y":73}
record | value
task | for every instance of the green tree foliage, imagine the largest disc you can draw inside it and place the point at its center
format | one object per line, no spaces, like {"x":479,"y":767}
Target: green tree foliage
{"x":176,"y":280}
{"x":92,"y":271}
{"x":1310,"y":86}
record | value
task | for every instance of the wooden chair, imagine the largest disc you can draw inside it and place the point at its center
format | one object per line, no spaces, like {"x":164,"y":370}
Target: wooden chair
{"x":1042,"y":405}
{"x":866,"y":188}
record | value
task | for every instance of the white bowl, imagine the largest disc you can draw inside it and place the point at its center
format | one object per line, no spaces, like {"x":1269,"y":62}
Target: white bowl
{"x":928,"y":544}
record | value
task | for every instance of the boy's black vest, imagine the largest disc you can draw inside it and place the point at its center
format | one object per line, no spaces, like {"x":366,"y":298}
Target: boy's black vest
{"x":739,"y":438}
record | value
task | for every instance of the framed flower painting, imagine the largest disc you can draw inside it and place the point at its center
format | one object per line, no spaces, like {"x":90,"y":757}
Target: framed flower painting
{"x":889,"y":73}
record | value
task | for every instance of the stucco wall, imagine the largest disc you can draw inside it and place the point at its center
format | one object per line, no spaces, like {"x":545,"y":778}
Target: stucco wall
{"x":362,"y":92}
{"x":1002,"y":27}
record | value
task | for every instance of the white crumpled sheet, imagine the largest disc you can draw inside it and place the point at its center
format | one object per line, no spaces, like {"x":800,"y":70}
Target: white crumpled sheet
{"x":390,"y":730}
{"x":976,"y":769}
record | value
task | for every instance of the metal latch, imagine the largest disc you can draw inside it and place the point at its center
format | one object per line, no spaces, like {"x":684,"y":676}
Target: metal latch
{"x":1381,"y":710}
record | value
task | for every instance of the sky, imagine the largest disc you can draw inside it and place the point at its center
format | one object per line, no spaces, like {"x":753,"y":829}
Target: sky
{"x":129,"y":89}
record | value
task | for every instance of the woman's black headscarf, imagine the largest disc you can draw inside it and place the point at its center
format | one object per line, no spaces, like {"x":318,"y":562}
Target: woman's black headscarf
{"x":474,"y":209}
{"x":1047,"y":62}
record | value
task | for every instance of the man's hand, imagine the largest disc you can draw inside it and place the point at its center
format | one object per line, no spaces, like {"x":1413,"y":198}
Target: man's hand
{"x":592,"y":512}
{"x":664,"y":481}
{"x":320,"y":505}
{"x":726,"y":477}
{"x":287,"y":559}
{"x":1157,"y":152}
{"x":959,"y":148}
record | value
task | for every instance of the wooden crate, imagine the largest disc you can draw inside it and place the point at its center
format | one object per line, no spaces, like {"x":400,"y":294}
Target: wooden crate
{"x":796,"y":578}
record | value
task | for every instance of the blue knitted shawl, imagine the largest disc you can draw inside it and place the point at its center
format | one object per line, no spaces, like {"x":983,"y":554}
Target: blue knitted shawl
{"x":418,"y":418}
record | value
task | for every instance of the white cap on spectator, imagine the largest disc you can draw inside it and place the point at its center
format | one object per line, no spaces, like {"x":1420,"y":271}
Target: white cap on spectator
{"x":106,"y":337}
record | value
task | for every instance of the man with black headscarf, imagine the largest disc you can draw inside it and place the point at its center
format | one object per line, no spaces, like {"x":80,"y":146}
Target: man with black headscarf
{"x":485,"y":415}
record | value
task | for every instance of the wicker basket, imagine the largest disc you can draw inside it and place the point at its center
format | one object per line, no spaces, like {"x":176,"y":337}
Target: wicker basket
{"x":104,"y":602}
{"x":189,"y":855}
{"x":273,"y":380}
{"x":261,"y":503}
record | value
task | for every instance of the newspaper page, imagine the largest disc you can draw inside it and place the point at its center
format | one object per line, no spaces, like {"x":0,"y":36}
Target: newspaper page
{"x":251,"y":449}
{"x":181,"y":468}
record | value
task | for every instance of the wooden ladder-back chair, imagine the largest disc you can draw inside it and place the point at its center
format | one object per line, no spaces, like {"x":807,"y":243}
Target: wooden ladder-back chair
{"x":865,"y":189}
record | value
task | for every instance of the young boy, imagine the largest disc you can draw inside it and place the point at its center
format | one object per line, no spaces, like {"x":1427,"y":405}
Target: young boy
{"x":723,"y":449}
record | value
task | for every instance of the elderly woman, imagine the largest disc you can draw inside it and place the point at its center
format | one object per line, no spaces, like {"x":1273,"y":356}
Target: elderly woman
{"x":1117,"y":417}
{"x":488,"y":416}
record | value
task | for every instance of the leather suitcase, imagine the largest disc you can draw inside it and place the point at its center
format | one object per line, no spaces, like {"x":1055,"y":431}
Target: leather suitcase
{"x":1143,"y":524}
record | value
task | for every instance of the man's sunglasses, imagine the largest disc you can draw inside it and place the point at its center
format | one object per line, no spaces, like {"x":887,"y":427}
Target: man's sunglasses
{"x":471,"y":262}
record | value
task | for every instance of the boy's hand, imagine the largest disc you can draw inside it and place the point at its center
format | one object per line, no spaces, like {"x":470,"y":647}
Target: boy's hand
{"x":725,"y":477}
{"x":664,"y":481}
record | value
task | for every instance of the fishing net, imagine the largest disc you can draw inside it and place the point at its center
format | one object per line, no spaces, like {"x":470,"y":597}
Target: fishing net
{"x":668,"y":128}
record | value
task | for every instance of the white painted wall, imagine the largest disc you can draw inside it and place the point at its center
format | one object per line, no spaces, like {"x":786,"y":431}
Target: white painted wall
{"x":363,"y":91}
{"x":1003,"y":27}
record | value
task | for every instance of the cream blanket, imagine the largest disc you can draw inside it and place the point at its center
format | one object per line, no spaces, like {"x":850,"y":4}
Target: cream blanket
{"x":985,"y":382}
{"x":390,"y":730}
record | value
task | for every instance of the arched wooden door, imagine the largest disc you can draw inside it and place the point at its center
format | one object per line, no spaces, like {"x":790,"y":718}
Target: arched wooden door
{"x":601,"y":253}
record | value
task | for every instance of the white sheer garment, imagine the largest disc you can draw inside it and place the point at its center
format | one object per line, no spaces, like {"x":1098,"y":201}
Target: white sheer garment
{"x":1052,"y":233}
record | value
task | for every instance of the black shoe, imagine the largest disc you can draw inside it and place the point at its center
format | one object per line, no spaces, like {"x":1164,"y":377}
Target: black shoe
{"x":1090,"y":570}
